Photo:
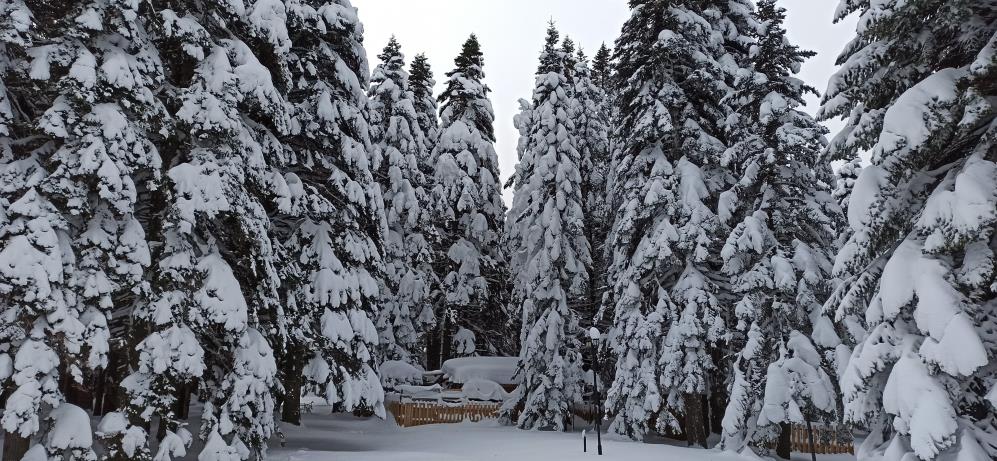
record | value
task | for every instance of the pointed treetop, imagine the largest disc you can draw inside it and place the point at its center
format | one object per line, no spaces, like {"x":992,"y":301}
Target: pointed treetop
{"x":391,"y":57}
{"x":602,"y":66}
{"x":471,"y":59}
{"x":550,"y":58}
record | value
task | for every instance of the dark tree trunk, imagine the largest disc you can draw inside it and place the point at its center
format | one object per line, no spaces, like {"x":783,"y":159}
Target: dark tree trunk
{"x":695,"y":420}
{"x":784,"y":447}
{"x":14,"y":447}
{"x":291,"y":406}
{"x":434,"y":349}
{"x":718,"y":405}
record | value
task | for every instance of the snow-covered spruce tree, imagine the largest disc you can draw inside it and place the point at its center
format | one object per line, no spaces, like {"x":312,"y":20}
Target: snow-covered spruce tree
{"x":844,"y":181}
{"x":421,"y":83}
{"x":472,"y":268}
{"x":86,"y":100}
{"x":780,"y":251}
{"x":665,"y":269}
{"x":213,"y":300}
{"x":332,"y":220}
{"x":919,"y":267}
{"x":405,"y":312}
{"x":602,"y":68}
{"x":590,"y":112}
{"x":549,"y":251}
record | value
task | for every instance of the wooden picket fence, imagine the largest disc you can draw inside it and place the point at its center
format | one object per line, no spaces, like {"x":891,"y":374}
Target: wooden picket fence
{"x":411,"y":414}
{"x":827,"y":440}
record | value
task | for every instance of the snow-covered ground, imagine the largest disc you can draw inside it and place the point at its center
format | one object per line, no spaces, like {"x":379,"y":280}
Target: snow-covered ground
{"x":345,"y":438}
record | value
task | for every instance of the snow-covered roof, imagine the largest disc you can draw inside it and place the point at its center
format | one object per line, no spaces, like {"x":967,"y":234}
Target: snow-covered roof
{"x":498,"y":369}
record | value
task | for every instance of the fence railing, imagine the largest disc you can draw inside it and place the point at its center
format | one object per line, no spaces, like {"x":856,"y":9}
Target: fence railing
{"x":827,"y":440}
{"x":411,"y":414}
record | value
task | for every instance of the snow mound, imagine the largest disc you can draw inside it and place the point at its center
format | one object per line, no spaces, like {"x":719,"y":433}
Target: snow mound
{"x":483,"y":389}
{"x":498,"y":369}
{"x":396,"y":372}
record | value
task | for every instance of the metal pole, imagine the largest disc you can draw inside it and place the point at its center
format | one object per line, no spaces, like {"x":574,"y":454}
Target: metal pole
{"x":598,"y":398}
{"x":813,"y":447}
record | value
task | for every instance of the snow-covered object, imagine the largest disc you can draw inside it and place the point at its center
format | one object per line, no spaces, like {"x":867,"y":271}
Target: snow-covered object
{"x":400,"y":148}
{"x":396,"y":372}
{"x":501,"y":370}
{"x":333,"y":224}
{"x":549,"y":250}
{"x":483,"y":390}
{"x":421,"y":83}
{"x":778,"y":254}
{"x":408,"y":391}
{"x":919,"y":266}
{"x":675,"y":62}
{"x":470,"y":211}
{"x":121,"y":439}
{"x":590,"y":111}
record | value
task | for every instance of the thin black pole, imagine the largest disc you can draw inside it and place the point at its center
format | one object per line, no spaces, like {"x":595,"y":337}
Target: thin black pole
{"x":598,"y":398}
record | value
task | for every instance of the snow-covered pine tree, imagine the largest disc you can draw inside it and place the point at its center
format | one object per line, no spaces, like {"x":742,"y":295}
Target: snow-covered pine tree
{"x":421,"y":83}
{"x":71,"y":192}
{"x":471,"y":214}
{"x":665,"y":267}
{"x":590,"y":112}
{"x":780,"y":251}
{"x":405,"y":312}
{"x":549,"y":250}
{"x":213,"y":282}
{"x":602,"y":68}
{"x":331,"y":219}
{"x":844,"y":181}
{"x":919,"y":267}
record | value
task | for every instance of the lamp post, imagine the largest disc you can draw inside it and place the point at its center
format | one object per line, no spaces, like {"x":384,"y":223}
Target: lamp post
{"x":595,"y":337}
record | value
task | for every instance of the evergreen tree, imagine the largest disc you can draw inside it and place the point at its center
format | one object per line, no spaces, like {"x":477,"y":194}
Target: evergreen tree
{"x":550,"y":252}
{"x":844,"y":181}
{"x":421,"y":82}
{"x":470,"y":216}
{"x":213,"y":281}
{"x":405,"y":311}
{"x":779,"y":254}
{"x":75,"y":157}
{"x":331,"y":215}
{"x":590,"y":111}
{"x":602,"y":68}
{"x":665,"y":269}
{"x":918,"y":296}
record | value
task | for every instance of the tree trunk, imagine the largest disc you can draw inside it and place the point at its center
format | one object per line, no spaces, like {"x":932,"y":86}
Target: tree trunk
{"x":291,"y":407}
{"x":718,"y":406}
{"x":695,"y":421}
{"x":784,"y":447}
{"x":434,"y":349}
{"x":14,"y":446}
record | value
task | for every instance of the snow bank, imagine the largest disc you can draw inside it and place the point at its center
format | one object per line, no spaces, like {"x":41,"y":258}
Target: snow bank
{"x":483,"y":389}
{"x":396,"y":372}
{"x":501,"y":370}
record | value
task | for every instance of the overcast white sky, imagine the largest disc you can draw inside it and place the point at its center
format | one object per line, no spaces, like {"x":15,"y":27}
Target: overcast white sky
{"x":512,"y":33}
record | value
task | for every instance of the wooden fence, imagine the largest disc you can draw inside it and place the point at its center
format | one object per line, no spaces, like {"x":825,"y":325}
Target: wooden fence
{"x":827,"y":441}
{"x":411,"y":414}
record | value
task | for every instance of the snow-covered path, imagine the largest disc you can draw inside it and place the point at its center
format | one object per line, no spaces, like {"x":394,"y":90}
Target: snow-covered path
{"x":344,"y":438}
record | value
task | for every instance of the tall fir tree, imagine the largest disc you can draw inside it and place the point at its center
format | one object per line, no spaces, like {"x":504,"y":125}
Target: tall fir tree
{"x":549,"y":251}
{"x":331,"y":215}
{"x":405,"y":313}
{"x":70,"y":200}
{"x":214,"y":283}
{"x":422,"y":84}
{"x":590,"y":111}
{"x":919,"y":275}
{"x":780,"y":251}
{"x":472,"y":309}
{"x":666,"y":284}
